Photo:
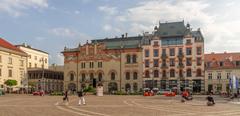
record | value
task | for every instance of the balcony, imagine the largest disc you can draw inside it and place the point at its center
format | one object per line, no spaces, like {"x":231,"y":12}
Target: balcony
{"x":180,"y":55}
{"x":164,"y":56}
{"x":180,"y":65}
{"x":164,"y":65}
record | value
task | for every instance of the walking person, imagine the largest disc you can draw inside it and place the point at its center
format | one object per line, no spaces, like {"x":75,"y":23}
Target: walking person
{"x":81,"y":98}
{"x":65,"y":98}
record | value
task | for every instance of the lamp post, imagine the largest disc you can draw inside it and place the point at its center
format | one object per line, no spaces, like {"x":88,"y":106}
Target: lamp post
{"x":43,"y":80}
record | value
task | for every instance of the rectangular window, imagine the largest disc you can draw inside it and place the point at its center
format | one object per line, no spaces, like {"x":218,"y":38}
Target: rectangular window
{"x":155,"y":43}
{"x":172,"y":51}
{"x":91,"y":64}
{"x":189,"y":51}
{"x":199,"y":61}
{"x":9,"y":60}
{"x":180,"y":51}
{"x":99,"y":64}
{"x":21,"y":62}
{"x":29,"y":56}
{"x":188,"y":41}
{"x":35,"y":65}
{"x":0,"y":72}
{"x":83,"y":65}
{"x":209,"y":76}
{"x":219,"y":76}
{"x":221,"y":64}
{"x":30,"y":65}
{"x":146,"y":53}
{"x":199,"y":50}
{"x":10,"y":73}
{"x":0,"y":59}
{"x":228,"y":75}
{"x":164,"y":51}
{"x":237,"y":63}
{"x":172,"y":62}
{"x":155,"y":52}
{"x":189,"y":61}
{"x":146,"y":63}
{"x":35,"y":57}
{"x":155,"y":62}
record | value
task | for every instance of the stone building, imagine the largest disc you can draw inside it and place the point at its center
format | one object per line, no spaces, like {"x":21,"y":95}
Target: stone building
{"x":173,"y":57}
{"x":115,"y":63}
{"x":45,"y":79}
{"x":12,"y":65}
{"x":219,"y":67}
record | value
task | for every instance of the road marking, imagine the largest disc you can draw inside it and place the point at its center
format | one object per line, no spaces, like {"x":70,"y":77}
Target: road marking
{"x":81,"y":110}
{"x":81,"y":114}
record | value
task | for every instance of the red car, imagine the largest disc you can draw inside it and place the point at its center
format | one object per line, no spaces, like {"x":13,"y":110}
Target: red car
{"x":40,"y":93}
{"x":170,"y":94}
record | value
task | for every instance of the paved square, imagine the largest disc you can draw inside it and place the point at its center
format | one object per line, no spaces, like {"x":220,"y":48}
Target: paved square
{"x":27,"y":105}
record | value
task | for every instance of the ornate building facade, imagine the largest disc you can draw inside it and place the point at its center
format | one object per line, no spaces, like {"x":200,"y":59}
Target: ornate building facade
{"x":114,"y":63}
{"x":173,"y":57}
{"x":219,"y":67}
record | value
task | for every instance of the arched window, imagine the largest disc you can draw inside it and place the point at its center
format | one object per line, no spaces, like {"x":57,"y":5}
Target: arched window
{"x":127,"y":87}
{"x":71,"y":77}
{"x":100,"y":77}
{"x":83,"y":77}
{"x":135,"y":87}
{"x":199,"y":72}
{"x":134,"y":58}
{"x":189,"y":72}
{"x":135,"y":76}
{"x":112,"y":76}
{"x":91,"y":76}
{"x":147,"y":74}
{"x":156,"y":73}
{"x":172,"y":73}
{"x":128,"y":59}
{"x":127,"y":75}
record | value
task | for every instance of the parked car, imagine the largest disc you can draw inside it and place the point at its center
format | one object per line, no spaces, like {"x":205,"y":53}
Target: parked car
{"x":40,"y":93}
{"x":163,"y":91}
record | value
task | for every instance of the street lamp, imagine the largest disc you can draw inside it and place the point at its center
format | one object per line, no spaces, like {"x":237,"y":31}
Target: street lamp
{"x":43,"y":81}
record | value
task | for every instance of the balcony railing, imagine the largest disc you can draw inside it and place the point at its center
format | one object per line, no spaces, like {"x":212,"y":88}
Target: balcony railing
{"x":164,"y":56}
{"x":164,"y":65}
{"x":180,"y":65}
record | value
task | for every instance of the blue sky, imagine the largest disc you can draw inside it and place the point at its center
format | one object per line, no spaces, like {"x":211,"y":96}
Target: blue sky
{"x":50,"y":25}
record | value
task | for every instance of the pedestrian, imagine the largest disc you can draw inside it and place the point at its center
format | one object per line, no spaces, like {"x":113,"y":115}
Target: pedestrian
{"x":210,"y":100}
{"x":65,"y":98}
{"x":81,"y":98}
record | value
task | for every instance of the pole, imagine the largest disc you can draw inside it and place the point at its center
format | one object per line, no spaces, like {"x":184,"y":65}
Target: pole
{"x":120,"y":71}
{"x":43,"y":83}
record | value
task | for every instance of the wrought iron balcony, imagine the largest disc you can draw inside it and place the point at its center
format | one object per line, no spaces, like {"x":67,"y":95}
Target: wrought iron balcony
{"x":164,"y":56}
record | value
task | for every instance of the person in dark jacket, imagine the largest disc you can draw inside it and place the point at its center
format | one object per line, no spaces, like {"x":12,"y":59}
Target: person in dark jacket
{"x":65,"y":98}
{"x":81,"y":97}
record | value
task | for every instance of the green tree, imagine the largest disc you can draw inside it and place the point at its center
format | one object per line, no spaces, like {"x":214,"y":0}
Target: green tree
{"x":10,"y":83}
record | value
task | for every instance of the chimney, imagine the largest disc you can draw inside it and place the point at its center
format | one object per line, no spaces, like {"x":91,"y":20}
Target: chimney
{"x":225,"y":52}
{"x":126,"y":35}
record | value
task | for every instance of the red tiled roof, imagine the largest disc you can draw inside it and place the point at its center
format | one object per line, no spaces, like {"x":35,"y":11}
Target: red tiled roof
{"x":222,"y":57}
{"x":5,"y":44}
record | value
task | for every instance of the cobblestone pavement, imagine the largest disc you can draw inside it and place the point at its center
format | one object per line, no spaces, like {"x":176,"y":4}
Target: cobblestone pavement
{"x":27,"y":105}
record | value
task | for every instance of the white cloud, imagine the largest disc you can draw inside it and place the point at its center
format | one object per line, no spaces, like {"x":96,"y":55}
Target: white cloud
{"x":108,"y":10}
{"x":16,"y":7}
{"x":57,"y":58}
{"x":107,"y":27}
{"x":69,"y":33}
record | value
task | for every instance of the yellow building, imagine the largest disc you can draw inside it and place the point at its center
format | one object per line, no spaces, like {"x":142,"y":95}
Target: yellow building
{"x":114,"y":63}
{"x":12,"y":65}
{"x":36,"y":58}
{"x":219,"y":67}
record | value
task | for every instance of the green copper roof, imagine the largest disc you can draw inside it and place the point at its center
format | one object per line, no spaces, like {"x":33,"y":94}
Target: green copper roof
{"x":117,"y":43}
{"x":171,"y":29}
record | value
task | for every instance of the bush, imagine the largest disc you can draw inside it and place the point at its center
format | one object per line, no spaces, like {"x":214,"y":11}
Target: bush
{"x":56,"y":93}
{"x":89,"y":89}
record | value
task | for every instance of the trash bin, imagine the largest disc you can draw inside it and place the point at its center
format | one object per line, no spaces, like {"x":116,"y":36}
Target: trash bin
{"x":100,"y":91}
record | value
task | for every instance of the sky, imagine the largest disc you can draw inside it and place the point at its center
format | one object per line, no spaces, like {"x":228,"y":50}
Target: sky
{"x":50,"y":25}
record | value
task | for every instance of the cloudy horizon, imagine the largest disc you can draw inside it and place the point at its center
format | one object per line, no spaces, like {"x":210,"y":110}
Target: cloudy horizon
{"x":50,"y":25}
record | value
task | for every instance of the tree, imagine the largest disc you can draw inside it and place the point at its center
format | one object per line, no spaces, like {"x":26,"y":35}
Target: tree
{"x":10,"y":83}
